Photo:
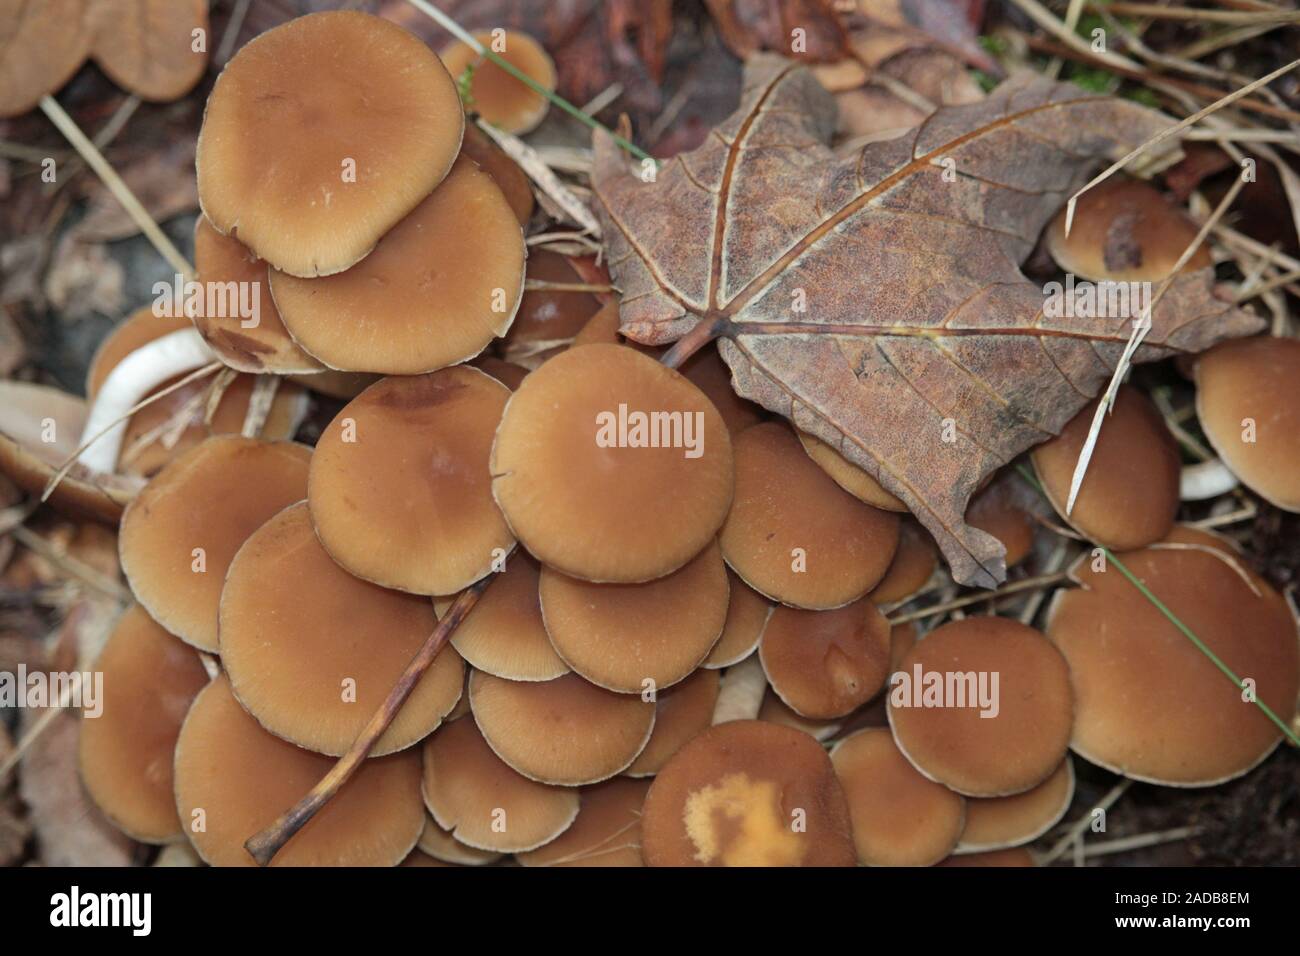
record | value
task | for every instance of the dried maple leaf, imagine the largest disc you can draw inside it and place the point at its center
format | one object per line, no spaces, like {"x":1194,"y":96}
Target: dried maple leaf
{"x":874,"y":297}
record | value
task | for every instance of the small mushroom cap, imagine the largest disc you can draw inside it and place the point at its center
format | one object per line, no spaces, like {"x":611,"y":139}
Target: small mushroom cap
{"x":747,"y":793}
{"x":995,"y":510}
{"x":475,"y":795}
{"x":125,"y":752}
{"x":1248,"y":401}
{"x":506,"y":636}
{"x":1150,"y":705}
{"x":619,"y":636}
{"x":606,"y":833}
{"x":564,"y":731}
{"x":826,"y":664}
{"x":913,"y":565}
{"x":439,"y":286}
{"x":597,"y":504}
{"x":505,"y":172}
{"x":681,"y":712}
{"x":1130,"y":494}
{"x":507,"y":373}
{"x":310,"y":156}
{"x":937,"y":716}
{"x":1016,"y":856}
{"x":775,"y":711}
{"x":312,"y":652}
{"x":148,"y":48}
{"x":747,"y":613}
{"x":1000,"y":822}
{"x":848,"y":475}
{"x":500,"y":98}
{"x":442,"y":847}
{"x":899,"y":817}
{"x":794,"y":534}
{"x":602,"y":328}
{"x":180,"y":534}
{"x":1124,"y":231}
{"x":264,"y":347}
{"x":44,"y":45}
{"x":418,"y":857}
{"x":712,"y":376}
{"x":548,"y":318}
{"x":337,"y":384}
{"x":400,"y":490}
{"x":241,"y":778}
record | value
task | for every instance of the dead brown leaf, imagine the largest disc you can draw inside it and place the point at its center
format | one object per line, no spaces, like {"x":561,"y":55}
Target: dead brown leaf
{"x":163,"y":181}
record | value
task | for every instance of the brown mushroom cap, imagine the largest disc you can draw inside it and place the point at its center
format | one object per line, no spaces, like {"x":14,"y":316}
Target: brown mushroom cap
{"x":681,"y":712}
{"x":500,"y":98}
{"x":1000,"y":822}
{"x":312,"y":651}
{"x":44,"y":44}
{"x":443,"y":848}
{"x":337,"y":384}
{"x":548,"y":319}
{"x":995,"y":510}
{"x":775,"y":711}
{"x":795,"y":535}
{"x":618,"y":514}
{"x":149,"y":48}
{"x":400,"y":490}
{"x":290,"y":117}
{"x":483,"y":803}
{"x":607,"y":831}
{"x":507,"y":373}
{"x":564,"y":731}
{"x":914,"y":563}
{"x":1248,"y":389}
{"x":826,"y":664}
{"x":180,"y":534}
{"x":505,"y":635}
{"x":125,"y":753}
{"x":747,"y":793}
{"x":265,"y":347}
{"x":439,"y":286}
{"x":712,"y":376}
{"x":747,"y":613}
{"x":1150,"y":705}
{"x":602,"y":328}
{"x":848,"y":475}
{"x":418,"y":857}
{"x":1124,"y":231}
{"x":619,"y":636}
{"x":505,"y":172}
{"x":235,"y":779}
{"x":899,"y":817}
{"x":1130,"y":494}
{"x":136,"y":330}
{"x":1010,"y":752}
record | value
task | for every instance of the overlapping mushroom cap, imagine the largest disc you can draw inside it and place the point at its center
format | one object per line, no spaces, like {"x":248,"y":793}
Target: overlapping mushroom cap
{"x":501,"y":99}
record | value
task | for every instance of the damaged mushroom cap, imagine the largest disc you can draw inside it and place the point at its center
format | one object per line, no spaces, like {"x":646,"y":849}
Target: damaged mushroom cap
{"x":439,"y":286}
{"x":505,"y":172}
{"x":747,"y":793}
{"x":125,"y":750}
{"x":826,"y":664}
{"x":747,"y":613}
{"x":233,"y":779}
{"x":984,"y":706}
{"x":44,"y":46}
{"x":900,"y":818}
{"x":1000,"y":822}
{"x":607,"y":831}
{"x":548,"y":319}
{"x":308,"y":156}
{"x":506,"y":636}
{"x":312,"y":651}
{"x":263,"y":346}
{"x":500,"y":98}
{"x":625,"y":637}
{"x":564,"y":731}
{"x":180,"y":534}
{"x":441,"y":846}
{"x":1247,"y":403}
{"x":1124,"y":230}
{"x":1150,"y":705}
{"x":400,"y":491}
{"x":681,"y":712}
{"x":481,"y":802}
{"x":794,"y":534}
{"x":848,"y":475}
{"x":1129,"y":496}
{"x":913,"y":565}
{"x":581,"y":487}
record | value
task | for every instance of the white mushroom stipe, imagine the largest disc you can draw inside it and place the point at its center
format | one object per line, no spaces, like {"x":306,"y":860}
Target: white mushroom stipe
{"x":130,"y":381}
{"x":1209,"y":479}
{"x":741,"y":694}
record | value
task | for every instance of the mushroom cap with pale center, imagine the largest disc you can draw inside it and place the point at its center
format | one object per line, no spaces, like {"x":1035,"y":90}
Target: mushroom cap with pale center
{"x":607,"y":831}
{"x":937,"y":719}
{"x":400,"y":491}
{"x":125,"y":752}
{"x":747,"y":793}
{"x":1000,"y":822}
{"x":1149,"y":703}
{"x":180,"y":534}
{"x":621,"y":636}
{"x":504,"y":100}
{"x":313,"y":652}
{"x":581,"y":485}
{"x":794,"y":534}
{"x":747,"y":613}
{"x":681,"y":713}
{"x":438,"y":287}
{"x":482,"y":802}
{"x":321,"y":134}
{"x":236,"y":779}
